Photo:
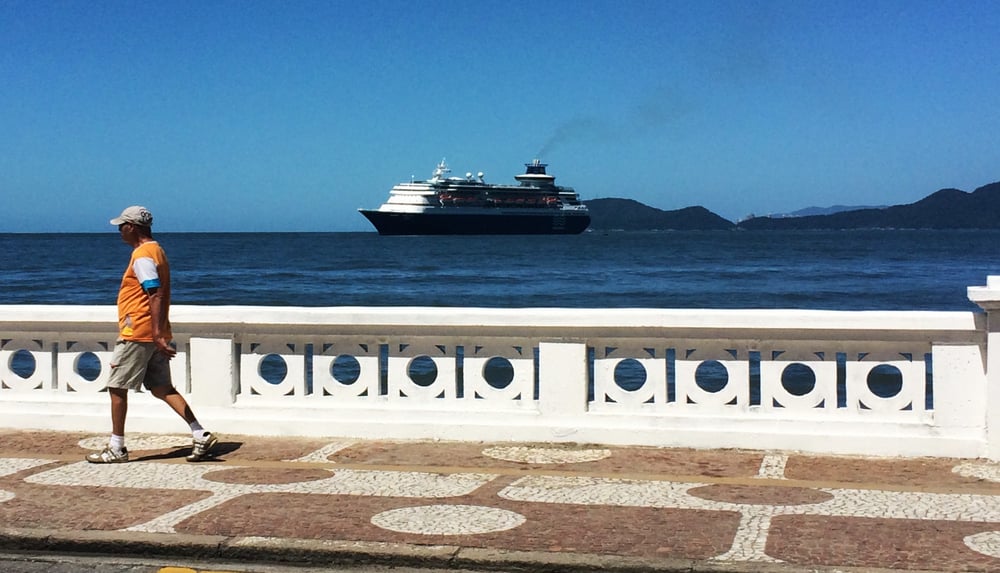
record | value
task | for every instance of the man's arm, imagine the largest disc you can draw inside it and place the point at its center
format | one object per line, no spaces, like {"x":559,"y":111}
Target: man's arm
{"x":156,"y":315}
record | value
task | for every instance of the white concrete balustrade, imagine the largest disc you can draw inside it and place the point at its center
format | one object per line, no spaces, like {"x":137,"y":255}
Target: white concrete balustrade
{"x":901,"y":383}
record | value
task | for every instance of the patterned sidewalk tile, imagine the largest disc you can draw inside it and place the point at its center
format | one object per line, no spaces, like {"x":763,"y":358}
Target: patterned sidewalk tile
{"x":677,"y":462}
{"x":646,"y":532}
{"x":153,"y":447}
{"x":39,"y":444}
{"x":721,"y":505}
{"x":931,"y":473}
{"x":886,"y":543}
{"x":85,"y":508}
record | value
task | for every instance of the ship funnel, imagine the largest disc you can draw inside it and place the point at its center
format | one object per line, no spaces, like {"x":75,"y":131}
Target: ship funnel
{"x":536,"y":167}
{"x":535,"y":176}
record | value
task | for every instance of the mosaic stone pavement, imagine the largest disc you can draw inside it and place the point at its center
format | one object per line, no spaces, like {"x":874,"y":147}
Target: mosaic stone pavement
{"x":705,"y":505}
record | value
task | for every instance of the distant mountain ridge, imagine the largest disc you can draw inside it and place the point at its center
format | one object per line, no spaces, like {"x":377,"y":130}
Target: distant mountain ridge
{"x":944,"y":209}
{"x":631,"y":215}
{"x":808,"y":211}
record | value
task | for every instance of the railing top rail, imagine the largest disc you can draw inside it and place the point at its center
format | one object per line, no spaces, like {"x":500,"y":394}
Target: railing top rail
{"x":987,"y":297}
{"x":49,"y":317}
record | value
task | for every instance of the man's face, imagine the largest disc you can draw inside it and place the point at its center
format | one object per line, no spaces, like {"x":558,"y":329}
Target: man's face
{"x":127,"y":231}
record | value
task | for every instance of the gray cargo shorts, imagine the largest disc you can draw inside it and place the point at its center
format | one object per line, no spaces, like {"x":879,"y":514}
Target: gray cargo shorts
{"x":138,"y":363}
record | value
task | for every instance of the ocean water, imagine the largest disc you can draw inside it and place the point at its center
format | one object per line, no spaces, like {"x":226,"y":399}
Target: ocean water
{"x":838,"y":270}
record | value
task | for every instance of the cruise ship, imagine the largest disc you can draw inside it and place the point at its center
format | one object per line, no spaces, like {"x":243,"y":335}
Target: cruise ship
{"x":444,"y":205}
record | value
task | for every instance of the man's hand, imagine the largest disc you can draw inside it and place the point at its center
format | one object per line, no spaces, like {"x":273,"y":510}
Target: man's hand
{"x":164,"y":348}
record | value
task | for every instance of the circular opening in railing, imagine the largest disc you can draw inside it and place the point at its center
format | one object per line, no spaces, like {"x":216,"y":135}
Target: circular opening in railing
{"x":22,"y":363}
{"x":630,"y":374}
{"x":885,"y":381}
{"x":88,"y":366}
{"x":711,"y":376}
{"x":498,"y":372}
{"x":798,"y":379}
{"x":272,"y":369}
{"x":345,"y":369}
{"x":422,"y":370}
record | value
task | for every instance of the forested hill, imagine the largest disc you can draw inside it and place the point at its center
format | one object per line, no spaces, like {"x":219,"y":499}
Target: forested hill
{"x":631,"y":215}
{"x":944,"y":209}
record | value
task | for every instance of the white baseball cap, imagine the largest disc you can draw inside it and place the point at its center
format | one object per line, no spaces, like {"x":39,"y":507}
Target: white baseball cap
{"x":137,"y":215}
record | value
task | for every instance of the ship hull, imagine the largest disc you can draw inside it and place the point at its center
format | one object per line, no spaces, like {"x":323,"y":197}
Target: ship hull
{"x":452,"y":223}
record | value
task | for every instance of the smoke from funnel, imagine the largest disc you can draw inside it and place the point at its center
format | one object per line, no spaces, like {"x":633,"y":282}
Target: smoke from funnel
{"x":651,"y":114}
{"x":580,"y":129}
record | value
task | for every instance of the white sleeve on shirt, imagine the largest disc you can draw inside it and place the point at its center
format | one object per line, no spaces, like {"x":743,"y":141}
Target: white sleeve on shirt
{"x":145,"y":271}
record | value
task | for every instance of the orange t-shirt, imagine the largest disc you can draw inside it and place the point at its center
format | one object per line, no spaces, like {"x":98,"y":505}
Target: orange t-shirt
{"x":148,"y":269}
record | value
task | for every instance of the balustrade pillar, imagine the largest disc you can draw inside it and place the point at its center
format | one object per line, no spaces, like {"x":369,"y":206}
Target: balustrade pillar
{"x":212,"y":375}
{"x":562,"y":378}
{"x":988,"y":298}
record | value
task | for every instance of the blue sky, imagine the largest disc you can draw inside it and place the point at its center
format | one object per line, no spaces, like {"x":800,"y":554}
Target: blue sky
{"x":289,"y":116}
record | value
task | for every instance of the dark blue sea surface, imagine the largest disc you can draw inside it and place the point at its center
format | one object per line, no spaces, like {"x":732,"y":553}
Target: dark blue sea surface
{"x":846,"y":270}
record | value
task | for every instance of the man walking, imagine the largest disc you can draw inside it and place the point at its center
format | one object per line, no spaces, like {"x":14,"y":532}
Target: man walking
{"x":143,"y":351}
